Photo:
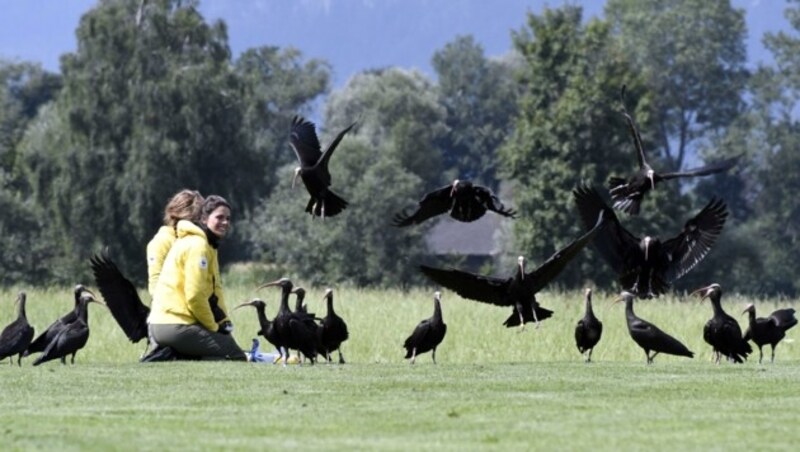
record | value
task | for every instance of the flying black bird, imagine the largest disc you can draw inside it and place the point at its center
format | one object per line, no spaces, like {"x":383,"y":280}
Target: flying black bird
{"x":16,"y":337}
{"x":722,"y":332}
{"x":294,"y":331}
{"x":428,"y":334}
{"x":120,"y":296}
{"x":770,"y":330}
{"x":463,"y":200}
{"x":46,"y":337}
{"x":518,"y":291}
{"x":627,"y":195}
{"x":313,"y":169}
{"x":646,"y":266}
{"x":332,"y":330}
{"x":588,"y":330}
{"x":72,"y":337}
{"x":648,"y":336}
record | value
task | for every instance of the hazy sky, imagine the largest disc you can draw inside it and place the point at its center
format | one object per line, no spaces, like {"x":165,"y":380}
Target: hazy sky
{"x":352,"y":35}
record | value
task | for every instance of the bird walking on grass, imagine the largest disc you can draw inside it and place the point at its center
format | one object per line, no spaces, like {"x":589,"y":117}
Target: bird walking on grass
{"x":428,"y":334}
{"x":72,"y":337}
{"x":332,"y":330}
{"x":17,"y":336}
{"x":722,"y":332}
{"x":588,"y":330}
{"x":648,"y":336}
{"x":770,"y":330}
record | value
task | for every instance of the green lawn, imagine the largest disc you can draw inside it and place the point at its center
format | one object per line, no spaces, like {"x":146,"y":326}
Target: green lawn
{"x":493,"y":388}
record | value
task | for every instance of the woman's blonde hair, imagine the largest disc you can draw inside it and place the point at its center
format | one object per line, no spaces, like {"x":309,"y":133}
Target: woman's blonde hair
{"x":184,"y":205}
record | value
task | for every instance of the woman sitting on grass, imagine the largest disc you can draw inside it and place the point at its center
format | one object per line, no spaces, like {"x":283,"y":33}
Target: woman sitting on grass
{"x":189,"y":286}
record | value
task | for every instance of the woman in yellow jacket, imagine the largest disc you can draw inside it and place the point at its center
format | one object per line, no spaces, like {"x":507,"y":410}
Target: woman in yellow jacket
{"x":189,"y":284}
{"x":184,"y":205}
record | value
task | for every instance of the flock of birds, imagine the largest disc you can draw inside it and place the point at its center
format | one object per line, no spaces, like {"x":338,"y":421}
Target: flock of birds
{"x":645,"y":266}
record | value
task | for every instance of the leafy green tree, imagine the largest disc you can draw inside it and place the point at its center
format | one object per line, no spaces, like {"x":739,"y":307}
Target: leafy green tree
{"x":24,"y":89}
{"x":377,"y":169}
{"x":569,"y":130}
{"x":151,"y":103}
{"x":479,"y":95}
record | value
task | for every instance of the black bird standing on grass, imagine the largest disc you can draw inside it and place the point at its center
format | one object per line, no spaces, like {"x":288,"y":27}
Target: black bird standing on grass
{"x":332,"y":330}
{"x":648,"y":336}
{"x":647,"y":266}
{"x":72,"y":337}
{"x":588,"y":330}
{"x":299,"y":305}
{"x":463,"y":200}
{"x":722,"y":332}
{"x":46,"y":337}
{"x":770,"y":330}
{"x":627,"y":194}
{"x":313,"y":169}
{"x":268,"y":330}
{"x":518,"y":291}
{"x":428,"y":334}
{"x":297,"y":332}
{"x":16,"y":337}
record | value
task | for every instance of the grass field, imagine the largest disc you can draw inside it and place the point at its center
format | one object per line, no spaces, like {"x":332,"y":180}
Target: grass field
{"x":493,"y":388}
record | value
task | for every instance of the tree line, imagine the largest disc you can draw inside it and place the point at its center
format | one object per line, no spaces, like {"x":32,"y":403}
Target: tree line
{"x":153,"y":100}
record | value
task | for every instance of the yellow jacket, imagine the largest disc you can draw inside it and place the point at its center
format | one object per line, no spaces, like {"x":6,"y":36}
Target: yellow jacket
{"x":188,"y":278}
{"x":157,"y":251}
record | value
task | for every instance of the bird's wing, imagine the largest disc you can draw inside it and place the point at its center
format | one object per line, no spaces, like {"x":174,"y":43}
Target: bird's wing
{"x":711,"y":168}
{"x":551,"y":268}
{"x":304,"y":141}
{"x":326,"y":156}
{"x":613,"y":241}
{"x":699,"y":234}
{"x":486,"y":289}
{"x":121,"y":297}
{"x":637,"y":139}
{"x":783,"y":318}
{"x":420,"y":333}
{"x":432,"y":204}
{"x":491,"y":201}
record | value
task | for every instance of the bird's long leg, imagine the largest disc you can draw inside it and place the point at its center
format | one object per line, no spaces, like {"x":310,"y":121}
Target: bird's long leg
{"x":772,"y":360}
{"x":535,"y":317}
{"x":647,"y":354}
{"x":64,"y":360}
{"x":73,"y":359}
{"x":284,"y":352}
{"x":521,"y":319}
{"x":413,"y":355}
{"x":19,"y":360}
{"x":433,"y":355}
{"x":322,"y":210}
{"x":589,"y":358}
{"x":341,"y":358}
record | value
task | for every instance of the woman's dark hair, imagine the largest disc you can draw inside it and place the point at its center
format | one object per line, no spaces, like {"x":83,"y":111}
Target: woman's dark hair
{"x":211,"y":203}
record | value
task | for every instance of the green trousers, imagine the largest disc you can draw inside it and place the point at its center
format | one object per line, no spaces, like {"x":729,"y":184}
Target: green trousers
{"x":194,"y":340}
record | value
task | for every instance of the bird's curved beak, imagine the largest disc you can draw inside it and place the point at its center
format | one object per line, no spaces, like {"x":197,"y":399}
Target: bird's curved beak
{"x":92,"y":299}
{"x":246,"y":303}
{"x":327,"y":292}
{"x":269,"y":284}
{"x":296,"y":175}
{"x":703,"y":292}
{"x":747,"y":309}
